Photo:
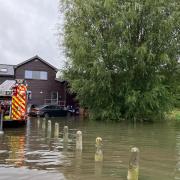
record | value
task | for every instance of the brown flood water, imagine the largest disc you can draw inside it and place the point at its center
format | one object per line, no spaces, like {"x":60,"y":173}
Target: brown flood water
{"x":30,"y":153}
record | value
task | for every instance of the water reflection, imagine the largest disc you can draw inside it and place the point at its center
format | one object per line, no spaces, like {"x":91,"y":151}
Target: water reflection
{"x":177,"y":167}
{"x":33,"y":147}
{"x":13,"y":148}
{"x":16,"y":150}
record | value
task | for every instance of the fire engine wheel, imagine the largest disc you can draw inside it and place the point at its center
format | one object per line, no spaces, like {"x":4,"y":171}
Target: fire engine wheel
{"x":46,"y":115}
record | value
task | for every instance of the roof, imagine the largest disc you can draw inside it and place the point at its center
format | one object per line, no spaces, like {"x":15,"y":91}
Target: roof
{"x":36,"y":57}
{"x":6,"y":70}
{"x":6,"y":86}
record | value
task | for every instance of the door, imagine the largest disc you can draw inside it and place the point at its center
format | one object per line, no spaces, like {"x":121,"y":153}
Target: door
{"x":54,"y":97}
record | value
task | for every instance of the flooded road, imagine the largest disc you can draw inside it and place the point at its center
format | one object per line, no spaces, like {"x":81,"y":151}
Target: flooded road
{"x":31,"y":152}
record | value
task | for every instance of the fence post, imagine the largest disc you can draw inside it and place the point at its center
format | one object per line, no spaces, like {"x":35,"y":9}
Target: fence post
{"x":38,"y":123}
{"x":79,"y":140}
{"x":133,"y":170}
{"x":65,"y":134}
{"x":99,"y":152}
{"x":49,"y":126}
{"x":44,"y":124}
{"x":56,"y":130}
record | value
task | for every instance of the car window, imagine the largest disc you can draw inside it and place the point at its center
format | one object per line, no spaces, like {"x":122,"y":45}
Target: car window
{"x":55,"y":107}
{"x":41,"y":107}
{"x":47,"y":107}
{"x":51,"y":107}
{"x":58,"y":107}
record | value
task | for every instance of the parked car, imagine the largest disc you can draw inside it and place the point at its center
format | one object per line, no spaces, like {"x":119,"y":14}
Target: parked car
{"x":73,"y":111}
{"x":31,"y":109}
{"x":49,"y":111}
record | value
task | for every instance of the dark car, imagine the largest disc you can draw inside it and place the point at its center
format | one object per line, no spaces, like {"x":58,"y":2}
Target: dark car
{"x":31,"y":111}
{"x":73,"y":111}
{"x":50,"y":111}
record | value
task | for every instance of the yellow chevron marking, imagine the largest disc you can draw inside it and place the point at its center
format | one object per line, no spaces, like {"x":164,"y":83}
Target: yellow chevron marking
{"x":15,"y":116}
{"x":21,"y":99}
{"x":17,"y":103}
{"x":14,"y":109}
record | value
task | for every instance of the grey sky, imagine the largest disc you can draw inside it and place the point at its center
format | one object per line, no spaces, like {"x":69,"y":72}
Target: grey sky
{"x":29,"y":28}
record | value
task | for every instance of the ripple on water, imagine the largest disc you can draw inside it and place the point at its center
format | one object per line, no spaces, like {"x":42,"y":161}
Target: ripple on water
{"x":25,"y":174}
{"x":45,"y":159}
{"x":41,"y":153}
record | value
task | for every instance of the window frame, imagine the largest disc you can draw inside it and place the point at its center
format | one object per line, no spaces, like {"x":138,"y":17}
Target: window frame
{"x":36,"y":75}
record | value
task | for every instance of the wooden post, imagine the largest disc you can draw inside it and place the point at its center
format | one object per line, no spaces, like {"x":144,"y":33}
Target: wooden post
{"x":79,"y":141}
{"x":133,"y":170}
{"x":56,"y":130}
{"x":99,"y":152}
{"x":1,"y":121}
{"x":65,"y":135}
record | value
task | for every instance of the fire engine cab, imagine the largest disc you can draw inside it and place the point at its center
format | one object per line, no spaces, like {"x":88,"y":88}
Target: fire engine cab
{"x":13,"y":100}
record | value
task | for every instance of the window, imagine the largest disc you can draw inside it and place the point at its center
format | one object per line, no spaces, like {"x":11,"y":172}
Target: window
{"x":28,"y":74}
{"x":50,"y":107}
{"x":59,"y":107}
{"x":41,"y":75}
{"x":54,"y":95}
{"x":3,"y":70}
{"x":35,"y":75}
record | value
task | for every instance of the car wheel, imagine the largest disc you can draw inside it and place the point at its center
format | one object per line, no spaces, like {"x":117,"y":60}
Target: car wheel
{"x":46,"y":115}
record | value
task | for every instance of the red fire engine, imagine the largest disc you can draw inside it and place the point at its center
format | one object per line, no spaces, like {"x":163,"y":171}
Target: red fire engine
{"x":14,"y":100}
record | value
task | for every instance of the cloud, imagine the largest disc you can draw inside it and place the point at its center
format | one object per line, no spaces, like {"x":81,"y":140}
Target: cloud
{"x":29,"y":28}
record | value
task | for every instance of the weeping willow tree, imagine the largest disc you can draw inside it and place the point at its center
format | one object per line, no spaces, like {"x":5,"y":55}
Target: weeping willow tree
{"x":122,"y":56}
{"x":177,"y":92}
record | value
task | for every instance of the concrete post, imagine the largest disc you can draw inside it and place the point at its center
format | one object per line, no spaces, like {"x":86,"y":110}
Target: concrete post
{"x":49,"y":126}
{"x":133,"y":170}
{"x":44,"y":124}
{"x":79,"y":141}
{"x":65,"y":134}
{"x":56,"y":130}
{"x":99,"y":152}
{"x":38,"y":123}
{"x":98,"y":166}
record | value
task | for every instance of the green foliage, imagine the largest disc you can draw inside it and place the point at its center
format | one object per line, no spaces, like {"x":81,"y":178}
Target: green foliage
{"x":174,"y":115}
{"x":177,"y":92}
{"x":122,"y":56}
